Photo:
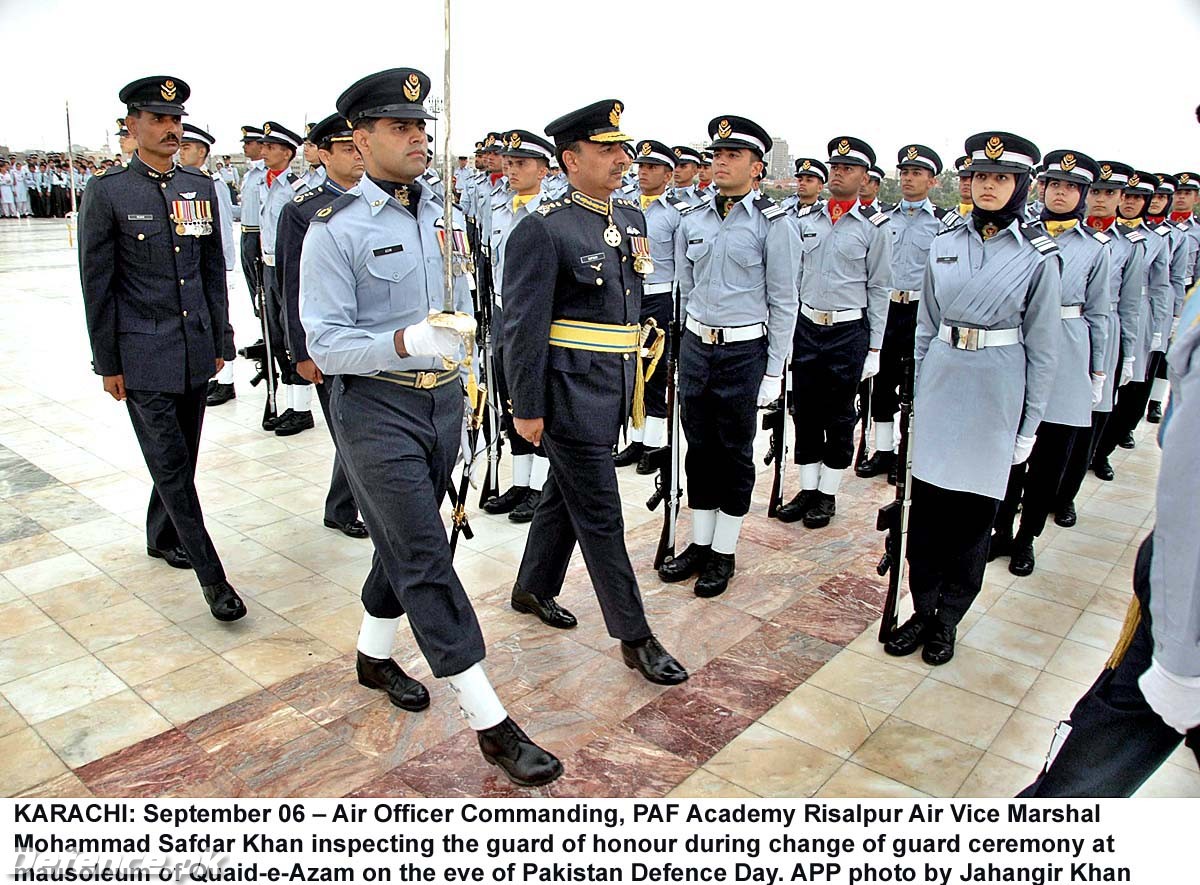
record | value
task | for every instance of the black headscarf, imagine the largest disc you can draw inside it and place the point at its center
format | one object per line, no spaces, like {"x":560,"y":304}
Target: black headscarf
{"x":1145,"y":207}
{"x":1077,"y":213}
{"x":1013,"y":209}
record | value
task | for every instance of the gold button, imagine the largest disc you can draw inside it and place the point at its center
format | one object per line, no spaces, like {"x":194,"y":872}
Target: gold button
{"x":626,"y":291}
{"x":185,"y":313}
{"x":141,"y":236}
{"x":176,"y":248}
{"x":163,"y":186}
{"x":622,"y":259}
{"x":599,"y":281}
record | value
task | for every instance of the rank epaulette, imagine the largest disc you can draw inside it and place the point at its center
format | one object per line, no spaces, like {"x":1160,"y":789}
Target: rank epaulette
{"x":680,"y":206}
{"x":191,"y":170}
{"x":327,"y":212}
{"x":295,"y":181}
{"x":1098,"y":235}
{"x":111,"y":170}
{"x":939,"y":213}
{"x":691,"y":209}
{"x":770,"y":210}
{"x":1039,"y":239}
{"x":873,"y":214}
{"x":1134,"y":235}
{"x":546,"y":208}
{"x":805,"y":210}
{"x":312,"y":193}
{"x":628,"y":204}
{"x":1163,"y":230}
{"x":1182,"y":226}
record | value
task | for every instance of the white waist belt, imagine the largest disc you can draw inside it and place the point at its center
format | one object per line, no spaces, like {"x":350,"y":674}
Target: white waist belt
{"x":726,"y":335}
{"x":1072,"y":311}
{"x":831,"y":317}
{"x":656,"y":288}
{"x":905,"y":296}
{"x":976,"y":339}
{"x":268,"y":260}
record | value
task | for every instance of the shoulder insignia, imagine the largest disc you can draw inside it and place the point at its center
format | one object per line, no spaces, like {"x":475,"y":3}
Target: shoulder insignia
{"x":805,"y":210}
{"x":113,"y":170}
{"x":679,"y":206}
{"x":546,"y":208}
{"x":1181,"y":226}
{"x":1040,"y":240}
{"x":336,"y":206}
{"x":1134,"y":235}
{"x":939,"y":213}
{"x":1098,"y":235}
{"x":192,"y":170}
{"x":873,"y":214}
{"x":690,"y":209}
{"x":770,"y":210}
{"x":296,"y":182}
{"x":1163,"y":229}
{"x":308,"y":194}
{"x":628,"y":204}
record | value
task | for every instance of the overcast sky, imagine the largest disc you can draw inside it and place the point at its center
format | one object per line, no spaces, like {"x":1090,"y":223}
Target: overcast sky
{"x":930,"y":71}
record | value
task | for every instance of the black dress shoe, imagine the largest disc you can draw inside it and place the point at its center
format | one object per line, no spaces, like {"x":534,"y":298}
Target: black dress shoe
{"x":682,"y":566}
{"x":939,"y":645}
{"x":1103,"y":470}
{"x":271,"y":421}
{"x":715,"y":577}
{"x":1000,"y":545}
{"x":880,"y":462}
{"x":893,"y":472}
{"x":909,"y":636}
{"x":1021,"y":559}
{"x":523,"y":512}
{"x":220,"y":393}
{"x":794,"y":510}
{"x":402,"y":690}
{"x":223,"y":601}
{"x":652,"y":460}
{"x":822,"y":509}
{"x":1127,"y":441}
{"x":629,"y":455}
{"x":506,"y":502}
{"x":352,"y":529}
{"x":548,"y":611}
{"x":522,"y":761}
{"x":176,"y":557}
{"x":1066,"y":516}
{"x":1154,"y":412}
{"x":294,"y":422}
{"x":653,"y":661}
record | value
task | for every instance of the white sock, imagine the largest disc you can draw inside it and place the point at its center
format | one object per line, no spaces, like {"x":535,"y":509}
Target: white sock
{"x":522,"y":467}
{"x":301,"y":397}
{"x":283,"y":398}
{"x":538,"y":472}
{"x":885,"y":440}
{"x":477,"y":700}
{"x":810,"y":475}
{"x":637,"y":434}
{"x":655,"y":433}
{"x":376,"y":636}
{"x":1158,"y":390}
{"x":704,"y":523}
{"x":831,"y":479}
{"x":725,"y":536}
{"x":225,"y":376}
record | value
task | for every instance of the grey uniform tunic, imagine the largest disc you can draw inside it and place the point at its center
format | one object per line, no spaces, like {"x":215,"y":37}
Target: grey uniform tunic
{"x":503,"y":219}
{"x":971,"y":405}
{"x":1178,"y":274}
{"x":1157,"y":301}
{"x":1127,"y":273}
{"x":1086,"y":277}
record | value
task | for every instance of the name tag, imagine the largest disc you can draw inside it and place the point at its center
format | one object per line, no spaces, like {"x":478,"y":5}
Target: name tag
{"x":588,"y":259}
{"x":694,"y":242}
{"x":388,"y":250}
{"x":807,"y":235}
{"x":947,"y":259}
{"x":140,"y":217}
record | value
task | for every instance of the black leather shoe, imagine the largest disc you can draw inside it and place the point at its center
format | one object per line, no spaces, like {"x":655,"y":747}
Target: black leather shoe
{"x":1000,"y":545}
{"x":522,"y":761}
{"x":822,"y":509}
{"x":1154,"y":412}
{"x":506,"y":502}
{"x":1127,"y":441}
{"x":682,"y":566}
{"x":294,"y":422}
{"x":652,"y":460}
{"x":176,"y":557}
{"x":1103,"y":470}
{"x":893,"y":472}
{"x":523,"y":512}
{"x":794,"y":510}
{"x":385,"y":674}
{"x":909,"y":636}
{"x":715,"y":578}
{"x":879,"y":463}
{"x":220,"y":393}
{"x":629,"y":455}
{"x":355,"y":528}
{"x":223,"y":601}
{"x":270,"y":421}
{"x":1066,"y":516}
{"x":548,"y":611}
{"x":653,"y":661}
{"x":939,"y":645}
{"x":1021,"y":559}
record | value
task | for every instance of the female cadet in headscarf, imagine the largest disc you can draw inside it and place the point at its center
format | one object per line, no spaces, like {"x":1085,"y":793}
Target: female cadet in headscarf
{"x":986,"y":348}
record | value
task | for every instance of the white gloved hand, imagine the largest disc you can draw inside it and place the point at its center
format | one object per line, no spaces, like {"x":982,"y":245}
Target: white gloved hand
{"x":1156,"y":341}
{"x":1022,"y":448}
{"x":1126,"y":371}
{"x":422,"y":339}
{"x":1176,"y":699}
{"x":1097,"y":388}
{"x":1174,"y":327}
{"x":871,"y":365}
{"x":769,"y":390}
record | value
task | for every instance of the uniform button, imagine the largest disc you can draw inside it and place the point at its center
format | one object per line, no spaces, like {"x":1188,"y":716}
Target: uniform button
{"x":141,"y":236}
{"x":181,"y":282}
{"x":599,"y":281}
{"x":626,"y":291}
{"x":163,"y":186}
{"x":176,"y":248}
{"x":395,"y":276}
{"x":626,"y":356}
{"x":185,"y":313}
{"x":622,"y":259}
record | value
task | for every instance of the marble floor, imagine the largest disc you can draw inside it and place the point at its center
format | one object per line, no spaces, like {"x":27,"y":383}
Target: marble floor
{"x":115,"y":681}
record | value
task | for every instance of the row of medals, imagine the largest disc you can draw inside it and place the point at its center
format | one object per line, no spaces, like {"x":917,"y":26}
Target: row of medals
{"x":642,"y":263}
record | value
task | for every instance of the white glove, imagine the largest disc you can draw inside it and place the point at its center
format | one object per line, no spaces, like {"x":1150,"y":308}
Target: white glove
{"x":1156,"y":341}
{"x":1097,"y":389}
{"x":1174,"y":327}
{"x":1176,"y":699}
{"x":422,"y":339}
{"x":1022,"y":448}
{"x":871,"y":365}
{"x":769,"y":390}
{"x":1126,"y":371}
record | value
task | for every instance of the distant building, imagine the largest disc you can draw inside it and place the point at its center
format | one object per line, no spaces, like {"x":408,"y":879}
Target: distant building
{"x":779,"y":161}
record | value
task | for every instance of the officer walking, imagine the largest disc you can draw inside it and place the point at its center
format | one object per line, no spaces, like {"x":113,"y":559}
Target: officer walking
{"x":154,"y":293}
{"x":735,"y":262}
{"x":573,"y":292}
{"x":844,"y":280}
{"x":371,"y":274}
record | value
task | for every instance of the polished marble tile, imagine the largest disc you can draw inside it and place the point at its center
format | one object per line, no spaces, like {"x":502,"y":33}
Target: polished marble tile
{"x":953,"y":712}
{"x":101,"y":727}
{"x":997,"y":777}
{"x":238,"y":735}
{"x":688,"y":723}
{"x":1096,"y":630}
{"x":1024,"y":645}
{"x":986,"y":674}
{"x":47,"y":693}
{"x":825,"y":720}
{"x":1025,"y":739}
{"x":852,"y":781}
{"x":923,"y":759}
{"x":772,"y":764}
{"x":65,"y":786}
{"x":196,"y":689}
{"x":620,"y":763}
{"x":314,"y":764}
{"x":166,"y":765}
{"x":279,"y":656}
{"x":54,"y":571}
{"x":21,"y":616}
{"x":115,"y":624}
{"x":866,"y":680}
{"x":703,"y":784}
{"x":152,"y":655}
{"x":1052,"y":697}
{"x":26,"y":761}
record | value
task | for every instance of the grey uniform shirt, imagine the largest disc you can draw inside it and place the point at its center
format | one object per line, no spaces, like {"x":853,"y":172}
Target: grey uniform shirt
{"x":1158,"y":299}
{"x":912,"y":235}
{"x":503,"y":220}
{"x":225,"y":203}
{"x":367,"y":269}
{"x":284,"y":188}
{"x":740,"y":270}
{"x":253,"y":189}
{"x":847,"y":265}
{"x":662,"y":223}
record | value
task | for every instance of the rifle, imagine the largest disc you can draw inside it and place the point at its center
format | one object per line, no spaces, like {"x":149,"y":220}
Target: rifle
{"x":774,"y":419}
{"x":458,"y":500}
{"x":667,"y":488}
{"x":864,"y":416}
{"x":260,"y":351}
{"x":495,"y":408}
{"x":893,"y":516}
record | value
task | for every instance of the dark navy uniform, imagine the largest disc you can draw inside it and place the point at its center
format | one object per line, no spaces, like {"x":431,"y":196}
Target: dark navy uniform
{"x":153,"y":276}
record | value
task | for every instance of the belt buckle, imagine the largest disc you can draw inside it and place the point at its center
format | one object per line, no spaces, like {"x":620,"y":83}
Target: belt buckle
{"x":425,"y":381}
{"x":964,"y":339}
{"x":824,"y":318}
{"x":714,"y":336}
